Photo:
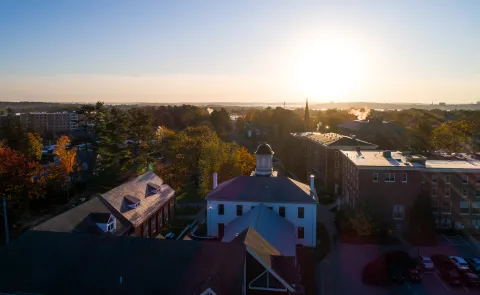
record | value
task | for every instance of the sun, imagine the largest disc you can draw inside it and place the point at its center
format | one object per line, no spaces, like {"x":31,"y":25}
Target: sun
{"x":329,"y":70}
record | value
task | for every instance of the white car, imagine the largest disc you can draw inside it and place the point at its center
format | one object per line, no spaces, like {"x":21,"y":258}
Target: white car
{"x":459,"y":262}
{"x":426,"y":263}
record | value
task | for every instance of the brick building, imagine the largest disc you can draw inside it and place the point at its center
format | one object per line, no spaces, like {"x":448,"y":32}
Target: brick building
{"x":391,"y":181}
{"x":321,"y":157}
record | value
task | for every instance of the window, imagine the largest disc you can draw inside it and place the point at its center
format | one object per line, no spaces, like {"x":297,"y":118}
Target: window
{"x":147,"y":230}
{"x":161,"y":218}
{"x":281,"y":211}
{"x":447,"y":192}
{"x":337,"y":164}
{"x":221,"y":209}
{"x":404,"y":177}
{"x":301,"y":212}
{"x":111,"y":226}
{"x":475,"y":207}
{"x":154,"y":223}
{"x":389,"y":177}
{"x":478,"y":180}
{"x":239,"y":210}
{"x":271,"y":208}
{"x":465,"y":192}
{"x":477,"y":193}
{"x":336,"y":174}
{"x":435,"y":207}
{"x":337,"y":154}
{"x":464,"y":207}
{"x":446,"y":223}
{"x":434,"y":178}
{"x":446,"y":207}
{"x":448,"y":179}
{"x":434,"y":191}
{"x":300,"y":232}
{"x":375,"y":177}
{"x":398,"y":211}
{"x":464,"y":179}
{"x":168,"y":212}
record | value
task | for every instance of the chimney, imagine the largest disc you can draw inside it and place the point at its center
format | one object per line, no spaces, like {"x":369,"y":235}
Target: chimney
{"x":215,"y":180}
{"x":312,"y":185}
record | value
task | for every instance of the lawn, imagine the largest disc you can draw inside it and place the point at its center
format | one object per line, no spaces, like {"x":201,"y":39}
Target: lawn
{"x":187,"y":210}
{"x":176,"y":227}
{"x":188,"y":193}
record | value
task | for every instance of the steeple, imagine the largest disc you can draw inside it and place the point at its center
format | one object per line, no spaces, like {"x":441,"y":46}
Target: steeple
{"x":306,"y":118}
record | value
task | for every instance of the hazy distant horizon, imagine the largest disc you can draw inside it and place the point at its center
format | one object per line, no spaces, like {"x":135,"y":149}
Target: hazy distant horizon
{"x":249,"y":51}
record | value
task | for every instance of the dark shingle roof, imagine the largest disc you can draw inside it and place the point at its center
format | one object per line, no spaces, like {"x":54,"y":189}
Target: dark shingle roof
{"x":264,"y":149}
{"x":334,"y":139}
{"x":263,"y":189}
{"x":61,"y":263}
{"x":83,"y":219}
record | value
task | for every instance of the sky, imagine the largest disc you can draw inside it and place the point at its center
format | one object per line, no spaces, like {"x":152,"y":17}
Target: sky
{"x":240,"y":51}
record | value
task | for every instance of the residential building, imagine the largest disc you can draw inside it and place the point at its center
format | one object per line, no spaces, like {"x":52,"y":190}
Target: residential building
{"x":64,"y":263}
{"x":292,"y":200}
{"x":321,"y":157}
{"x":139,"y":207}
{"x":391,"y":181}
{"x":59,"y":122}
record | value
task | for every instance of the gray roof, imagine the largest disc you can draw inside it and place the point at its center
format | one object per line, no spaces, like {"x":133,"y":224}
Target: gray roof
{"x":264,"y":149}
{"x":139,"y":189}
{"x":83,"y":219}
{"x":62,"y":263}
{"x":263,"y":189}
{"x":276,"y":230}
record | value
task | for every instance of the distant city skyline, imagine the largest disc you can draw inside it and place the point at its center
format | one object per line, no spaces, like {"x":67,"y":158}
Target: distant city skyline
{"x":248,"y":51}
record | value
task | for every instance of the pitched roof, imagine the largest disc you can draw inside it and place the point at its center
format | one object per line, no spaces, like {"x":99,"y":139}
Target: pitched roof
{"x":334,"y":139}
{"x":263,"y":189}
{"x":62,"y":263}
{"x":276,"y":230}
{"x":136,"y":190}
{"x":83,"y":219}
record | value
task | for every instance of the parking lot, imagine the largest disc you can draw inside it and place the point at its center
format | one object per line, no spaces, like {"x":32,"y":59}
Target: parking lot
{"x":341,"y":272}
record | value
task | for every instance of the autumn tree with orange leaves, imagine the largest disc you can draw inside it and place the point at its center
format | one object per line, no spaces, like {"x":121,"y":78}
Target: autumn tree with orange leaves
{"x":20,"y":179}
{"x":60,"y":171}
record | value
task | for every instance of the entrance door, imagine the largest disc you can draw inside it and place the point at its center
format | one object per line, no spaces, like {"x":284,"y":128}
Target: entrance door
{"x":221,"y":230}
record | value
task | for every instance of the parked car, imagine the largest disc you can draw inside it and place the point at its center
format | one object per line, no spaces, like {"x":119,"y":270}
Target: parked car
{"x":413,"y":275}
{"x":470,"y":279}
{"x":450,"y":275}
{"x":425,"y":263}
{"x":459,"y":262}
{"x":474,"y":263}
{"x":441,"y":261}
{"x":396,"y":274}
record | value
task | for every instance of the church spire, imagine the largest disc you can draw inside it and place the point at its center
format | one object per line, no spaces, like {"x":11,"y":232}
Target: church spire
{"x":306,"y":118}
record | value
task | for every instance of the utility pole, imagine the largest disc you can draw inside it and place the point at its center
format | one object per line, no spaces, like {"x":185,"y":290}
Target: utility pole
{"x":7,"y":235}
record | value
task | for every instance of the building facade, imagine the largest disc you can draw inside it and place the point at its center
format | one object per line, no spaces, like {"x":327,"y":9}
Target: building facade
{"x":392,"y":181}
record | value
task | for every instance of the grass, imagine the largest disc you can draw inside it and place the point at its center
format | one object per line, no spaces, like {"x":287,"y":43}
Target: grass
{"x":175,"y":227}
{"x":187,"y":210}
{"x":188,"y":193}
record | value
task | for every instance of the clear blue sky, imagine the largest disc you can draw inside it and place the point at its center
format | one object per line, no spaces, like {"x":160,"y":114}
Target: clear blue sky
{"x":194,"y":51}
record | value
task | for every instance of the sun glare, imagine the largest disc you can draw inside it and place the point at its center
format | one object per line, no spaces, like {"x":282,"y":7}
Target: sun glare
{"x":329,"y":70}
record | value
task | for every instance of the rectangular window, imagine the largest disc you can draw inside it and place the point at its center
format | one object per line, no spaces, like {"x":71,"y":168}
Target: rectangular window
{"x":404,"y":177}
{"x":465,"y":192}
{"x":448,"y":179}
{"x":336,"y":174}
{"x":478,"y":180}
{"x":337,"y":164}
{"x":435,"y":207}
{"x":375,"y":177}
{"x":301,"y":212}
{"x":464,"y":207}
{"x":434,"y":178}
{"x":464,"y":179}
{"x":447,"y":192}
{"x":221,"y":209}
{"x":434,"y":191}
{"x":475,"y":207}
{"x":477,"y":193}
{"x":337,"y":154}
{"x":161,"y":218}
{"x":398,"y":211}
{"x":239,"y":210}
{"x":476,"y":223}
{"x":301,"y":232}
{"x":446,"y":207}
{"x":389,"y":177}
{"x":281,"y":211}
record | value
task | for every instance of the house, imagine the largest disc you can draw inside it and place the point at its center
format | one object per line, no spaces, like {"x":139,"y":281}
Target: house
{"x":93,"y":217}
{"x":321,"y":157}
{"x":53,"y":263}
{"x":288,"y":198}
{"x":139,"y":207}
{"x":146,"y":202}
{"x":393,"y":180}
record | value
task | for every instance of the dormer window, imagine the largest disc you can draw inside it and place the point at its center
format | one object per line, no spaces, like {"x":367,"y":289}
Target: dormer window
{"x":153,"y":188}
{"x":132,"y":202}
{"x":105,"y":221}
{"x":111,"y":224}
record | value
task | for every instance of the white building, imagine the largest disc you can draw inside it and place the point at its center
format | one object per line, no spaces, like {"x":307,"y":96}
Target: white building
{"x":290,"y":199}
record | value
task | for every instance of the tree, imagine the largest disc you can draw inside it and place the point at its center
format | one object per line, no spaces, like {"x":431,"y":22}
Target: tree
{"x":33,"y":149}
{"x":21,"y":179}
{"x":142,"y":138}
{"x":221,"y":122}
{"x":361,"y":221}
{"x":420,"y":222}
{"x":453,"y":136}
{"x":59,"y":173}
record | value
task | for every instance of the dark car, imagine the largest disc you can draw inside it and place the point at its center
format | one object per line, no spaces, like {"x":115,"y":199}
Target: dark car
{"x":395,"y":273}
{"x":442,"y":261}
{"x":470,"y":279}
{"x":474,"y":263}
{"x":375,"y":273}
{"x":450,"y":275}
{"x":413,"y":275}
